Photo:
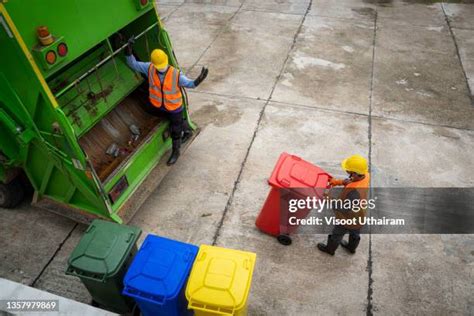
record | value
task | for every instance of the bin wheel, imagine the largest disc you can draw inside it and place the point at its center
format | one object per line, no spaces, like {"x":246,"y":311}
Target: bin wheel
{"x":11,"y":194}
{"x":136,"y":311}
{"x":284,"y":240}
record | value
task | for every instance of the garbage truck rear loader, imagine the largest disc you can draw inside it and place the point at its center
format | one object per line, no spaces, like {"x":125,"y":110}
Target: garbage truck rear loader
{"x":73,"y":115}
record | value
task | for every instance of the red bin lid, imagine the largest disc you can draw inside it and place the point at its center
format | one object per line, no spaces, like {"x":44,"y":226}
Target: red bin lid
{"x":293,"y":172}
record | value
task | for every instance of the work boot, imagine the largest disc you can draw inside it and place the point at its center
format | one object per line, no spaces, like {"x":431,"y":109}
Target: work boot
{"x":351,"y":246}
{"x":330,"y":248}
{"x":175,"y":153}
{"x":186,"y":135}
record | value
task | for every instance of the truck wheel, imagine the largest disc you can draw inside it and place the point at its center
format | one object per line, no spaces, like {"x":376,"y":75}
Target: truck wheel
{"x":11,"y":194}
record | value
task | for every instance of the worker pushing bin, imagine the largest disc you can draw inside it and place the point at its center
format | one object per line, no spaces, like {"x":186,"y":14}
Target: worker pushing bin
{"x":220,"y":281}
{"x":292,"y":177}
{"x":157,"y":277}
{"x":101,"y":259}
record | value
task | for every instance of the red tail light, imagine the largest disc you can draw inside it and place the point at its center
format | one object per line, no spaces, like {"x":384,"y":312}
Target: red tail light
{"x":62,"y":49}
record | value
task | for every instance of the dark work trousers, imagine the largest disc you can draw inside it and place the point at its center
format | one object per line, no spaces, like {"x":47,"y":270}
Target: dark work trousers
{"x":176,"y":125}
{"x":176,"y":121}
{"x":339,"y":231}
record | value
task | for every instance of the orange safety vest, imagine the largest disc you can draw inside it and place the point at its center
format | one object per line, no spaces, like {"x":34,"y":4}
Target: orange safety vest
{"x":362,"y":187}
{"x":167,"y":92}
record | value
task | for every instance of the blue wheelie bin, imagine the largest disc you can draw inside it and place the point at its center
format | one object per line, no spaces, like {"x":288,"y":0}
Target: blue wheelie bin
{"x":157,"y":276}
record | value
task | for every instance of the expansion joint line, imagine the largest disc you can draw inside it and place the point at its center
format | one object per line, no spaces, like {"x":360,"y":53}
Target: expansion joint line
{"x":172,"y":12}
{"x":242,"y":165}
{"x":52,"y":257}
{"x":371,"y":96}
{"x":217,"y":36}
{"x":471,"y":95}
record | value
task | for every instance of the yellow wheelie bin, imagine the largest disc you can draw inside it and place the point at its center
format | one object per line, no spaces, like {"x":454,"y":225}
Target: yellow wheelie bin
{"x":220,"y":280}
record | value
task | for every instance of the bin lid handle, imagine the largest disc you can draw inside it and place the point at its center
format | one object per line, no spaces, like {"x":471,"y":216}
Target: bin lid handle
{"x":285,"y":182}
{"x":130,"y":237}
{"x":202,"y":256}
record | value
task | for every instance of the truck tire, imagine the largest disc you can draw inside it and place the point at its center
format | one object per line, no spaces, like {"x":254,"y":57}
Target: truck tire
{"x":11,"y":194}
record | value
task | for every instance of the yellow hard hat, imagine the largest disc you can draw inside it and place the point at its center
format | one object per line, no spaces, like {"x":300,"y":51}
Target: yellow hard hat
{"x":159,"y":59}
{"x":355,"y":163}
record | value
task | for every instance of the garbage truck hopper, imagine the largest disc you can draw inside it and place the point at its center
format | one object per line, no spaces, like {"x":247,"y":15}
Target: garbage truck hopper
{"x":73,"y":116}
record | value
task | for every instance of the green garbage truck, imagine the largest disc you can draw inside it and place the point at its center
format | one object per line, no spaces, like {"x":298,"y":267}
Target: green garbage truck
{"x":73,"y":115}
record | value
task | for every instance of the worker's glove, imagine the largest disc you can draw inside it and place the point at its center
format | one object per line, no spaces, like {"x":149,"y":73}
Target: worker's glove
{"x":346,"y":181}
{"x":129,"y":48}
{"x":335,"y":182}
{"x":202,"y":76}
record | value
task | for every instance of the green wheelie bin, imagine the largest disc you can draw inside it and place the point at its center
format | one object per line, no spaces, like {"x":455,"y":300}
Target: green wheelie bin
{"x":101,"y":260}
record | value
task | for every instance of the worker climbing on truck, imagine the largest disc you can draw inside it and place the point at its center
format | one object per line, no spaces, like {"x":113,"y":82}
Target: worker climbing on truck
{"x":355,"y":190}
{"x":165,"y":94}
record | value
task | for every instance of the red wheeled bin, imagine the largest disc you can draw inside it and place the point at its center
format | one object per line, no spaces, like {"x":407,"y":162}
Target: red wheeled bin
{"x":292,"y":177}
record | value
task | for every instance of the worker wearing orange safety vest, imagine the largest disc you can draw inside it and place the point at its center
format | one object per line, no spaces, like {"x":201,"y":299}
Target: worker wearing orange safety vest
{"x":356,"y":187}
{"x":164,"y":87}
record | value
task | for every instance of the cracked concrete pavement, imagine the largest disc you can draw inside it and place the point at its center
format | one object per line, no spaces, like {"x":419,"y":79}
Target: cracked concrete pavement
{"x":391,"y":80}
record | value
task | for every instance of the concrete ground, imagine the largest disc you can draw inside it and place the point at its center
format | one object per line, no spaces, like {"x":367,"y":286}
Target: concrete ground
{"x":323,"y":79}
